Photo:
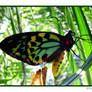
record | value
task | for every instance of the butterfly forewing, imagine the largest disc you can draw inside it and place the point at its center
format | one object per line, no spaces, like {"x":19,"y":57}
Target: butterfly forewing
{"x":32,"y":47}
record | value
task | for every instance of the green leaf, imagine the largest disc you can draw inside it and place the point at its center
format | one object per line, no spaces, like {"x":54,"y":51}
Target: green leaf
{"x":84,"y":28}
{"x":77,"y":75}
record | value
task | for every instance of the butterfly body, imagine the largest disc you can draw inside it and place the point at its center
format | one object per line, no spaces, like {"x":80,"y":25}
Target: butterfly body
{"x":35,"y":48}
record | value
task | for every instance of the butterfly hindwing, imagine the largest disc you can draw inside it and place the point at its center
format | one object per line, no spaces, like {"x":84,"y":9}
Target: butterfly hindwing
{"x":57,"y":63}
{"x":32,"y":47}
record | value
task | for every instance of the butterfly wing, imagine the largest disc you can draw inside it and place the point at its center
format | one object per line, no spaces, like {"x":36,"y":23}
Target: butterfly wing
{"x":57,"y":63}
{"x":32,"y":47}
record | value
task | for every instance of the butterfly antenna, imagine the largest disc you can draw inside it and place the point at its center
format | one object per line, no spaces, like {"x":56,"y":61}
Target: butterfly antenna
{"x":77,"y":55}
{"x":84,"y":35}
{"x":55,"y":18}
{"x":88,"y":40}
{"x":78,"y":47}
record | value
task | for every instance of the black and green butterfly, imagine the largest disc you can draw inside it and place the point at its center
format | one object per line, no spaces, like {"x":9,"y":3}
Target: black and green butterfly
{"x":35,"y":48}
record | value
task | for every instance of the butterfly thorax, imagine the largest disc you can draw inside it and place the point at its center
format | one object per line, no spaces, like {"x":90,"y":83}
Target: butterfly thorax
{"x":69,"y":41}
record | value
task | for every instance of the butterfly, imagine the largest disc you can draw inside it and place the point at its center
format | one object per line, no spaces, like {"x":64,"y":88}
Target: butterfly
{"x":35,"y":48}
